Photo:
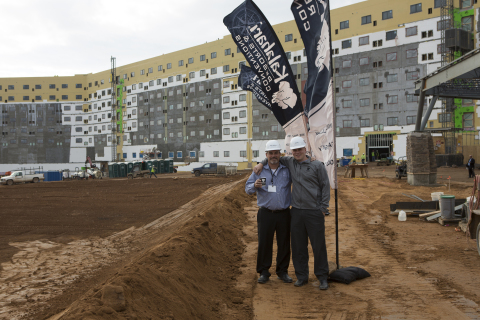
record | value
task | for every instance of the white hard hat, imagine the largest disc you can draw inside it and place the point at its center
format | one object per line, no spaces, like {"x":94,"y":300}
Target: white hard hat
{"x":273,"y":145}
{"x":297,"y":143}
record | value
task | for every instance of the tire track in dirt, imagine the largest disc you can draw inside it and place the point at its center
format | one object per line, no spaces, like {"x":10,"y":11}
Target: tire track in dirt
{"x":43,"y":270}
{"x":396,"y":290}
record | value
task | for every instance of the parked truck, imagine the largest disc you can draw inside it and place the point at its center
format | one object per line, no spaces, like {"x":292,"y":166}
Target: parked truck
{"x":213,"y":168}
{"x":21,"y":176}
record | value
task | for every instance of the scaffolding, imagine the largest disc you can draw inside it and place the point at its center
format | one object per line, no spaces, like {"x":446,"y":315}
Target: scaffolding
{"x":447,"y":23}
{"x":113,"y":83}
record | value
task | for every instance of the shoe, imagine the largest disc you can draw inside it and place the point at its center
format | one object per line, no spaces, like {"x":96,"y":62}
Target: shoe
{"x":323,"y":285}
{"x":262,"y":279}
{"x":300,"y":283}
{"x":285,"y":278}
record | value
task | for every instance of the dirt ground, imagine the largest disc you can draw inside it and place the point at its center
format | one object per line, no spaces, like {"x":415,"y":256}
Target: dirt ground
{"x":150,"y":249}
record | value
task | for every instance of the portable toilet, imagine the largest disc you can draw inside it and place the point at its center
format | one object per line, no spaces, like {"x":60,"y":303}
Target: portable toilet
{"x":116,"y":170}
{"x":160,"y":164}
{"x":144,"y":165}
{"x":149,"y":164}
{"x":170,"y":166}
{"x":123,"y":170}
{"x":137,"y":163}
{"x":110,"y":170}
{"x":129,"y":167}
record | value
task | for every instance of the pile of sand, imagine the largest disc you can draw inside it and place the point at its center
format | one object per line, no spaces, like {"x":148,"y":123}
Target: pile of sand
{"x":190,"y":276}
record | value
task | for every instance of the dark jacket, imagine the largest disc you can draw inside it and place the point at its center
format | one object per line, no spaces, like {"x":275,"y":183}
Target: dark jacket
{"x":471,"y":163}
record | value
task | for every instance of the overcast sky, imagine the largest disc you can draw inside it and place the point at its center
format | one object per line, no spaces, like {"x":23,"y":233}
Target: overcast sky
{"x":52,"y":37}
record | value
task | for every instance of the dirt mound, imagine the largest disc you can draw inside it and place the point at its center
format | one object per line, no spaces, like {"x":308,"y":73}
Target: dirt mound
{"x":190,"y":276}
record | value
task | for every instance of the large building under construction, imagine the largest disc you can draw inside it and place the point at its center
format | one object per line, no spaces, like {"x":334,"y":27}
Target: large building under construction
{"x":187,"y":105}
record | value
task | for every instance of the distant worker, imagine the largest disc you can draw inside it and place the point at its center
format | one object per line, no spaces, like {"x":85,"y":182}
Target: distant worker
{"x":153,"y":172}
{"x":273,"y":187}
{"x":363,"y":158}
{"x":377,"y":155}
{"x":354,"y":160}
{"x":471,"y":167}
{"x":373,"y":156}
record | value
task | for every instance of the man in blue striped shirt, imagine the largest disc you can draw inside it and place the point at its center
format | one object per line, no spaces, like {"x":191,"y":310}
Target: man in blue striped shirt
{"x":273,"y":188}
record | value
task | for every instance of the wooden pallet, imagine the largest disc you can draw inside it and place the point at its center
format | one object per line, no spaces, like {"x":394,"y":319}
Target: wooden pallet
{"x":442,"y":221}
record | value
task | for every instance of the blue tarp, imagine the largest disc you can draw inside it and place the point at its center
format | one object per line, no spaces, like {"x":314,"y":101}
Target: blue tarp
{"x":51,"y":175}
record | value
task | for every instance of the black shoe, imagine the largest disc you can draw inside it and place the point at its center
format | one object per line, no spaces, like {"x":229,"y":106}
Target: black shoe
{"x":285,"y":278}
{"x":262,"y":279}
{"x":323,"y":285}
{"x":300,"y":283}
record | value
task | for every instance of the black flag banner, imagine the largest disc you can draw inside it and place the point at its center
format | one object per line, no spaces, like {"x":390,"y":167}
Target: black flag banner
{"x":248,"y":80}
{"x":258,"y":42}
{"x":313,"y":21}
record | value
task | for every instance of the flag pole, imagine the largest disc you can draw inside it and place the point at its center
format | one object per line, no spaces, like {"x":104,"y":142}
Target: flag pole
{"x":334,"y":139}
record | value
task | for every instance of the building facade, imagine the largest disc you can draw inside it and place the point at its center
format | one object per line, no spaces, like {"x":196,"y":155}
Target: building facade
{"x":187,"y":104}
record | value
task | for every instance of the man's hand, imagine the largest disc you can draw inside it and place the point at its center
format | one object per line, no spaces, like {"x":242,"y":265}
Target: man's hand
{"x":258,"y":183}
{"x":258,"y":168}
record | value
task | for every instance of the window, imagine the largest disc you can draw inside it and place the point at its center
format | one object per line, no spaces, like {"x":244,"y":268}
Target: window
{"x":226,"y":115}
{"x":216,"y":154}
{"x":392,"y":121}
{"x":347,"y":103}
{"x":467,"y":23}
{"x":387,"y":15}
{"x":213,"y":70}
{"x":468,"y":120}
{"x":414,"y":8}
{"x":467,"y":102}
{"x":213,"y":55}
{"x":256,"y":129}
{"x":444,"y":117}
{"x":37,"y":86}
{"x":64,"y":86}
{"x":391,"y":35}
{"x":160,"y":68}
{"x":26,"y":98}
{"x":289,"y":55}
{"x":216,"y":132}
{"x":392,"y":78}
{"x":344,"y":25}
{"x":367,"y":19}
{"x":191,"y":75}
{"x":169,"y":65}
{"x":242,"y":97}
{"x":363,"y":61}
{"x":202,"y":57}
{"x":347,"y":123}
{"x":346,"y":63}
{"x":465,"y":3}
{"x":288,"y":37}
{"x":412,"y":98}
{"x":170,"y":79}
{"x":226,"y":99}
{"x":226,"y":68}
{"x":412,"y":75}
{"x":347,"y":84}
{"x":364,"y":102}
{"x":180,"y":63}
{"x":243,"y":130}
{"x":364,"y":81}
{"x":362,"y":41}
{"x":50,"y":86}
{"x":439,"y":3}
{"x":392,"y":99}
{"x":346,"y":44}
{"x":364,"y":122}
{"x":412,"y":53}
{"x":64,"y":97}
{"x":78,"y":97}
{"x":411,"y":119}
{"x":202,"y":73}
{"x":226,"y":131}
{"x":26,"y":87}
{"x":179,"y":77}
{"x":412,"y":31}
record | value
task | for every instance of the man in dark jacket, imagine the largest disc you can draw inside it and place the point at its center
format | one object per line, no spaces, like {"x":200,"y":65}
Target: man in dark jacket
{"x":470,"y":167}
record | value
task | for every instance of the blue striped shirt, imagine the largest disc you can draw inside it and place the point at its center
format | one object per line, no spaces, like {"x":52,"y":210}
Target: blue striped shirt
{"x":278,"y":200}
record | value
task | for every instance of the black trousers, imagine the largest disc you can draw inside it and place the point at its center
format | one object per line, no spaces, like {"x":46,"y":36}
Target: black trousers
{"x":471,"y":173}
{"x":309,"y":224}
{"x":268,"y":223}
